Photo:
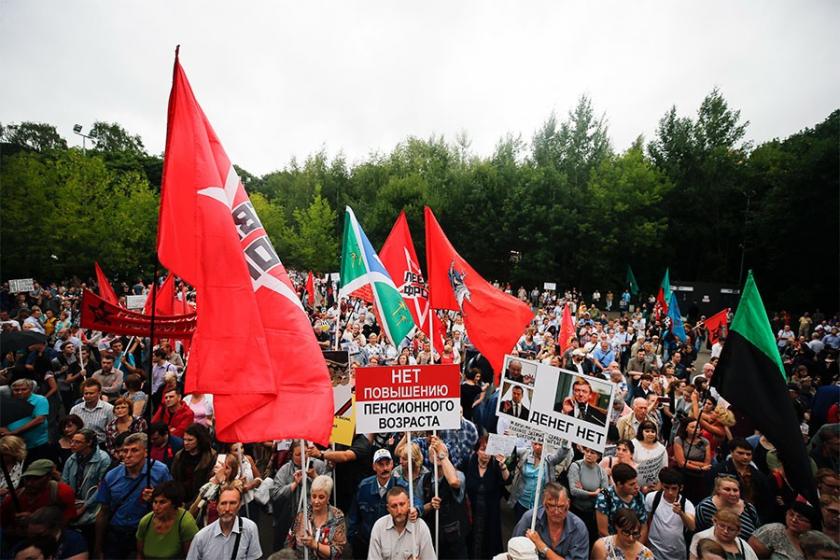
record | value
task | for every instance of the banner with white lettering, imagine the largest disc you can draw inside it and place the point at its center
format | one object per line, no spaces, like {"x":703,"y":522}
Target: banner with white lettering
{"x":568,"y":404}
{"x":399,"y":398}
{"x":21,"y":285}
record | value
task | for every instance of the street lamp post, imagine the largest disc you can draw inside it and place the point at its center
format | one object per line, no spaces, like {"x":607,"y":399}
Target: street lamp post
{"x":78,"y":130}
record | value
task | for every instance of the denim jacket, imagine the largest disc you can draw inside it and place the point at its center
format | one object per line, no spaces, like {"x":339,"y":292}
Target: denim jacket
{"x":94,"y":472}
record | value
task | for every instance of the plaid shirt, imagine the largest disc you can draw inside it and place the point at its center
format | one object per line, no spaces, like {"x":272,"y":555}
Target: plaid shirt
{"x":460,"y":444}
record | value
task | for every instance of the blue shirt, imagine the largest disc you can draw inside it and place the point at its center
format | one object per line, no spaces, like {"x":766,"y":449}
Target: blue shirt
{"x":574,"y":542}
{"x":38,"y":435}
{"x":122,"y":494}
{"x":460,"y":444}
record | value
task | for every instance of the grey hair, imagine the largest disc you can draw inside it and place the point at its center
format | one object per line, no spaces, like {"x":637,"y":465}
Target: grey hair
{"x":322,"y":483}
{"x":24,"y":381}
{"x":136,"y":438}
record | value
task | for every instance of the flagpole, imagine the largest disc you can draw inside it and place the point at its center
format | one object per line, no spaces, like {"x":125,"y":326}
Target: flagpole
{"x":409,"y":448}
{"x":305,"y":520}
{"x":434,"y":433}
{"x":539,"y":482}
{"x":149,"y":378}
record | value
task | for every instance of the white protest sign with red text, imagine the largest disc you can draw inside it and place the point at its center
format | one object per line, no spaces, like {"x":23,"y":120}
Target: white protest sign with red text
{"x":399,"y":398}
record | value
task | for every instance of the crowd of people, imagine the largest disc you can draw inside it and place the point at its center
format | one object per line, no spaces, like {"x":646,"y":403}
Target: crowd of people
{"x":104,"y":456}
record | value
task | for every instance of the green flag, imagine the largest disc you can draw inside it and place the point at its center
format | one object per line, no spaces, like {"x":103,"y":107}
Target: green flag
{"x":750,"y":375}
{"x":363,"y":275}
{"x":630,"y":282}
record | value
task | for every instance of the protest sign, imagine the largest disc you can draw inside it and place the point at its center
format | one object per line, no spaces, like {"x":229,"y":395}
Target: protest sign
{"x":21,"y":285}
{"x":524,"y":434}
{"x":135,"y":302}
{"x":401,"y":398}
{"x":344,"y":421}
{"x":558,"y":401}
{"x":498,"y":444}
{"x":550,"y":286}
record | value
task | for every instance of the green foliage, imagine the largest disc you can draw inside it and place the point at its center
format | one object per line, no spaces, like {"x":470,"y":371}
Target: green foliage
{"x":696,"y":198}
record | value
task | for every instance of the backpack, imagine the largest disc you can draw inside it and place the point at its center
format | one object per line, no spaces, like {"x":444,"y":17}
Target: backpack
{"x":687,"y":533}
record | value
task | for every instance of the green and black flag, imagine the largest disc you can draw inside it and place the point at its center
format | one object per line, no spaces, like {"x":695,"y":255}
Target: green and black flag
{"x":751,"y":377}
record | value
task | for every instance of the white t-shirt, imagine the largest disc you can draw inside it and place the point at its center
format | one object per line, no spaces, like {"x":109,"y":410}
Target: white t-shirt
{"x":665,"y":538}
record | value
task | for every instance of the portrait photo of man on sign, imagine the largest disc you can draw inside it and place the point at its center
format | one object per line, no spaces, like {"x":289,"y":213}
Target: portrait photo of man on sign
{"x":582,"y":403}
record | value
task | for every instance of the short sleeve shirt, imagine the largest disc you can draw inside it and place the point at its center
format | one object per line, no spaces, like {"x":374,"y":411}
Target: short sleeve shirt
{"x":608,"y":503}
{"x":169,"y":544}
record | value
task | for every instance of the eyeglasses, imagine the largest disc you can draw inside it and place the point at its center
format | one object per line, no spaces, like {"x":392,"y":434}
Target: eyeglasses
{"x":727,"y":528}
{"x":556,"y":507}
{"x":636,"y":533}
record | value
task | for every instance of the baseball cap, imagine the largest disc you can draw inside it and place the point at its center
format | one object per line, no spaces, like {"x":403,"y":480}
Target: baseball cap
{"x":521,"y":548}
{"x":39,"y":467}
{"x":381,"y":454}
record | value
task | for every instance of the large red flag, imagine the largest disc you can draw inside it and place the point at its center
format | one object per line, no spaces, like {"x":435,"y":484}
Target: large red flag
{"x":716,"y":324}
{"x":164,"y":299}
{"x":106,"y":291}
{"x":494,"y":320}
{"x":567,"y":328}
{"x":401,"y":262}
{"x":253,"y":348}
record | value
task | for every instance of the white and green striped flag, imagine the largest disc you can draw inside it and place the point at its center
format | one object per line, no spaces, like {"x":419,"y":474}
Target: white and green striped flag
{"x":362,"y":271}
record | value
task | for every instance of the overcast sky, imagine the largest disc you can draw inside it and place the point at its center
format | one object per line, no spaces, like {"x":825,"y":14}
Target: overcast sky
{"x":283,"y":79}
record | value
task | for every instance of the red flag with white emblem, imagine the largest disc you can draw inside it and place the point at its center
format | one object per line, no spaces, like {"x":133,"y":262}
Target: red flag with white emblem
{"x":253,"y":348}
{"x":494,"y":320}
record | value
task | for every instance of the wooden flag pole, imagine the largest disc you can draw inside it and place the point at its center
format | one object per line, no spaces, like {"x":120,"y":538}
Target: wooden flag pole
{"x":304,"y":460}
{"x":410,"y":455}
{"x":434,"y":433}
{"x":539,"y":483}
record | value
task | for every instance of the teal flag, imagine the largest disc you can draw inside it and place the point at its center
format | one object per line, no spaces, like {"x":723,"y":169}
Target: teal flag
{"x":630,"y":282}
{"x":362,"y":271}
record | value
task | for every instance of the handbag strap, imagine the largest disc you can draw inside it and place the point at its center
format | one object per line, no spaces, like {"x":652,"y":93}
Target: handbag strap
{"x":236,"y":542}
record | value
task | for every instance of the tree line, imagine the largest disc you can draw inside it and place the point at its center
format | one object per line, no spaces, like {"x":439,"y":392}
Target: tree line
{"x":563,"y":206}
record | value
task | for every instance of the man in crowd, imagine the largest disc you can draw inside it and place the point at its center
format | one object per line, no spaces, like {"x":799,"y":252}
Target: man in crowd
{"x":624,"y":493}
{"x":165,"y":445}
{"x":110,"y":379}
{"x":602,"y":356}
{"x":230,"y":537}
{"x":32,"y":427}
{"x":175,"y":413}
{"x":93,"y":411}
{"x":628,"y":425}
{"x":124,"y":496}
{"x":38,"y":489}
{"x":396,"y":536}
{"x":671,"y":515}
{"x":553,"y":519}
{"x":370,"y":503}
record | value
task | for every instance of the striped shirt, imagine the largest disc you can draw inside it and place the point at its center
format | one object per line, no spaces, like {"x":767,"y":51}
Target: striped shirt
{"x":707,"y":509}
{"x":95,"y":418}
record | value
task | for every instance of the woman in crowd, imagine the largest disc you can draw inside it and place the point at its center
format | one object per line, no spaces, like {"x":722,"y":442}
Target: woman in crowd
{"x":486,"y":478}
{"x":168,"y":530}
{"x":523,"y":490}
{"x":249,"y":476}
{"x":194,"y":463}
{"x":225,"y":471}
{"x":323,"y":532}
{"x":418,"y":470}
{"x":202,"y":407}
{"x":781,"y":540}
{"x":727,"y":526}
{"x":68,"y":426}
{"x":586,"y":481}
{"x":693,"y":456}
{"x":134,"y":393}
{"x":624,"y":545}
{"x":624,"y":450}
{"x":650,"y":456}
{"x":727,"y":494}
{"x":13,"y":455}
{"x":472,"y":392}
{"x":123,"y":422}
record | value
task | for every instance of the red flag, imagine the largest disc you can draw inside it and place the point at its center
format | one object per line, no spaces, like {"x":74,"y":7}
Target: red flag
{"x":401,"y":262}
{"x":253,"y":348}
{"x":164,"y":299}
{"x":494,"y":320}
{"x":716,"y":324}
{"x":567,"y":329}
{"x":106,"y":291}
{"x":310,"y":289}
